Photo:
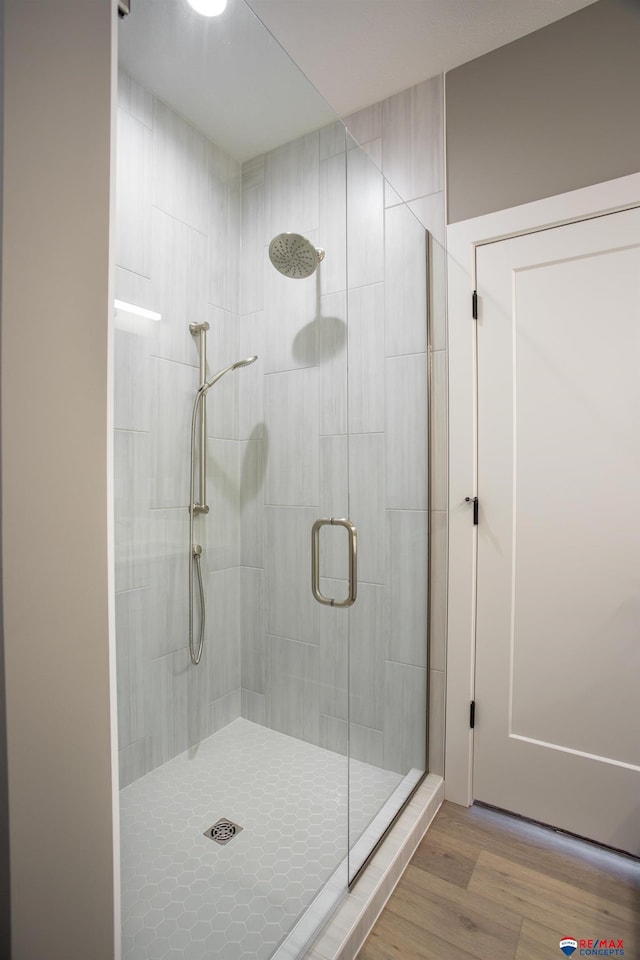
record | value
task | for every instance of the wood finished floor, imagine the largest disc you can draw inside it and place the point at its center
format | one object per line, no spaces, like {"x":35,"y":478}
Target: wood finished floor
{"x":486,"y":886}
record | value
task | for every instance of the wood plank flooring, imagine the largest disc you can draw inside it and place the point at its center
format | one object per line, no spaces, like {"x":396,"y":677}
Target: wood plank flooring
{"x":486,"y":886}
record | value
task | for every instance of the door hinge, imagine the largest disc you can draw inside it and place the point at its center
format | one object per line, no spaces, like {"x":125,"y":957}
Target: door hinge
{"x":474,"y":305}
{"x":474,"y":501}
{"x":472,"y":714}
{"x":124,"y":8}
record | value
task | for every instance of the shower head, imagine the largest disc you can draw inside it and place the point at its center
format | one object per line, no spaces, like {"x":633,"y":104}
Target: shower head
{"x":294,"y":256}
{"x":232,"y":366}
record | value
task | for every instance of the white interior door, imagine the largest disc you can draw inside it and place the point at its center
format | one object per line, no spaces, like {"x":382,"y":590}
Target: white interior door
{"x":557,"y":734}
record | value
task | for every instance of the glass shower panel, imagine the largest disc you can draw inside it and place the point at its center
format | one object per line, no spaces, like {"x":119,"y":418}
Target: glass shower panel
{"x":233,"y":773}
{"x":387,"y":456}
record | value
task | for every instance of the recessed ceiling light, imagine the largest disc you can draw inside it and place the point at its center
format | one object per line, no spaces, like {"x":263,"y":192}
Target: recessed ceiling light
{"x":208,"y":8}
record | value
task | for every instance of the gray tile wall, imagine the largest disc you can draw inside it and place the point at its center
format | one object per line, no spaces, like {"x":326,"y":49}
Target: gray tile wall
{"x":177,"y":252}
{"x":320,"y":449}
{"x":287,"y":442}
{"x":404,"y":135}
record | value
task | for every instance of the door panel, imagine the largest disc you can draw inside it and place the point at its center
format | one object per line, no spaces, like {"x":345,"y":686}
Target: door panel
{"x":558,"y":619}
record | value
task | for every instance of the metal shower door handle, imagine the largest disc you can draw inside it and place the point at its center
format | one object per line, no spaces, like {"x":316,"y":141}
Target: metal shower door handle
{"x":353,"y":561}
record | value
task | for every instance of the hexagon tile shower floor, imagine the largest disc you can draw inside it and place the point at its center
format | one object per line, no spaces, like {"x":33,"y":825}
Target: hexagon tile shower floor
{"x":188,"y":898}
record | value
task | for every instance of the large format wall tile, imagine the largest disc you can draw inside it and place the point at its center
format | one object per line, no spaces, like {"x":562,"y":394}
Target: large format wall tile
{"x":168,"y":627}
{"x":366,"y":744}
{"x":252,"y":469}
{"x":222,"y":351}
{"x":332,"y":355}
{"x":366,"y":359}
{"x":291,"y":181}
{"x":135,"y":99}
{"x":413,"y":152}
{"x":292,"y":688}
{"x":252,"y":628}
{"x":405,"y":283}
{"x":222,"y":634}
{"x":438,"y":600}
{"x":439,"y":431}
{"x":367,"y":655}
{"x":291,"y":610}
{"x":132,"y":612}
{"x":406,"y":592}
{"x":252,"y":336}
{"x":334,"y":653}
{"x":406,"y":426}
{"x":332,"y":233}
{"x":132,"y":483}
{"x":173,"y":390}
{"x":132,"y":388}
{"x":405,"y":719}
{"x":292,"y":307}
{"x":366,"y":497}
{"x":181,"y":168}
{"x":180,"y":283}
{"x":253,"y":256}
{"x":133,"y":195}
{"x":225,"y":197}
{"x":291,"y":406}
{"x":334,"y":502}
{"x":365,"y":220}
{"x":221,"y":526}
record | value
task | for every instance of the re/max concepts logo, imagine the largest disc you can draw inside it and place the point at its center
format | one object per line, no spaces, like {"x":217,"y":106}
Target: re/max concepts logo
{"x":604,"y":947}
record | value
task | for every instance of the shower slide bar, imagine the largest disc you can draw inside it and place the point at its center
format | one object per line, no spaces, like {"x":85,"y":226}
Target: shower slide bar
{"x":353,"y":561}
{"x":200,"y":330}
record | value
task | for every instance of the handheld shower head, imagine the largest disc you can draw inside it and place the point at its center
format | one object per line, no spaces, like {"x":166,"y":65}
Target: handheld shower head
{"x":217,"y":376}
{"x":294,"y":256}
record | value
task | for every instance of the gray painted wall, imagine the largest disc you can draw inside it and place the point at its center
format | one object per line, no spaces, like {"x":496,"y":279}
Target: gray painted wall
{"x":552,"y":112}
{"x":55,"y":291}
{"x":5,"y":894}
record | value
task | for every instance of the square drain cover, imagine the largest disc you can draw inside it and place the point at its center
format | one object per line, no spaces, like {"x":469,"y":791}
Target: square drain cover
{"x":223,"y":830}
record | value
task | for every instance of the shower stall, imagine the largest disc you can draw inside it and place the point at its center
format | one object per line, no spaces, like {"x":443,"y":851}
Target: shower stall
{"x":271,"y":723}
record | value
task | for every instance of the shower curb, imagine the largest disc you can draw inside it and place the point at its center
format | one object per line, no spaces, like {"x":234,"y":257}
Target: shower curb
{"x":348,"y":928}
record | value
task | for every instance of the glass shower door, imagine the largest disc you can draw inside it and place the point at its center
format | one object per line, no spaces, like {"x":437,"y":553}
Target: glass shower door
{"x":387,"y":467}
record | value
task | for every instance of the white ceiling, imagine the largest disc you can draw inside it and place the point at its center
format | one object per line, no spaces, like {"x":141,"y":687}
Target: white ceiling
{"x":233,"y":80}
{"x":357,"y":52}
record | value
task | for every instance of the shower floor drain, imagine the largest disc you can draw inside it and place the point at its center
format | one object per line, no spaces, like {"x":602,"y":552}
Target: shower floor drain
{"x":223,"y":830}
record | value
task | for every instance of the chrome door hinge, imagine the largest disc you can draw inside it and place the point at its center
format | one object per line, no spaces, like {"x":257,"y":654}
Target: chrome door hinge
{"x":472,"y":714}
{"x":474,"y":305}
{"x":124,"y":8}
